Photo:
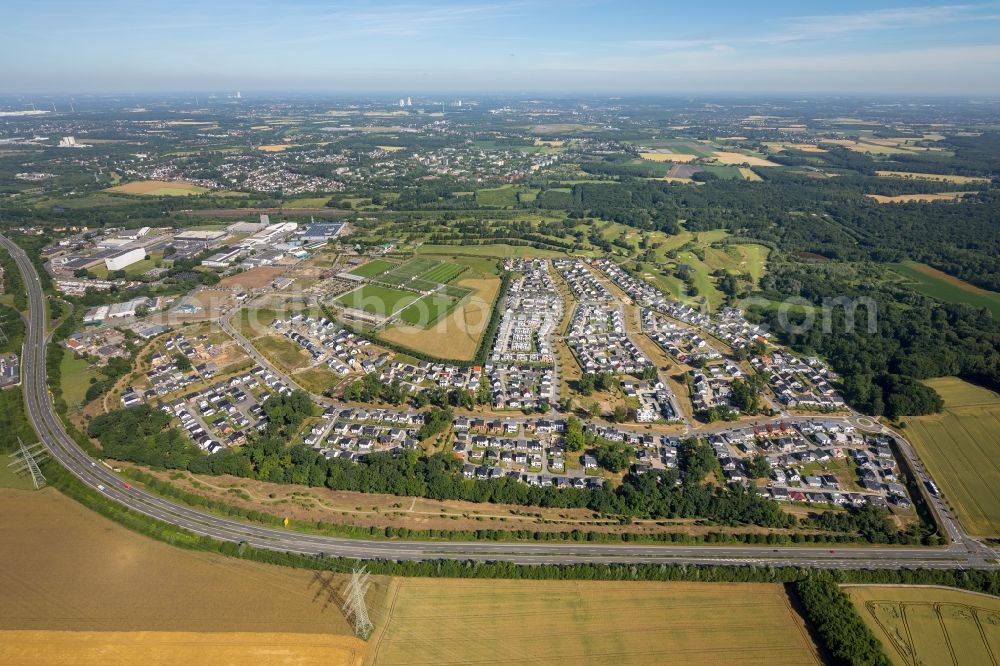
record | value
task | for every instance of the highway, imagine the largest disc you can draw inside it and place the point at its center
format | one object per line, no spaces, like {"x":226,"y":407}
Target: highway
{"x":963,"y":552}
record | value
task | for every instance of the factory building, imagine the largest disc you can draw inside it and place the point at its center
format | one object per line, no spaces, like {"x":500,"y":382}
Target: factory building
{"x":120,"y":261}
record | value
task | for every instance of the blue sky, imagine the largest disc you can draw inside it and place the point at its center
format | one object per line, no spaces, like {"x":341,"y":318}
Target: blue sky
{"x":579,"y":46}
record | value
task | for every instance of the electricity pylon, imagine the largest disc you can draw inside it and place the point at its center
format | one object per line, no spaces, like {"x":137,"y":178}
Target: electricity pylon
{"x":26,"y":459}
{"x":354,"y":602}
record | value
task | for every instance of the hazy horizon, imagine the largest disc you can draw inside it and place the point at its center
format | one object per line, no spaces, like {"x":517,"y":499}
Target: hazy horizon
{"x":503,"y":47}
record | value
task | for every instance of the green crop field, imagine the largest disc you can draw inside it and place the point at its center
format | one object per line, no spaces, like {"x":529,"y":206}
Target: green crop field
{"x":587,"y":622}
{"x":428,"y":310}
{"x":373,"y":268}
{"x":961,"y":448}
{"x":928,"y":625}
{"x":376,"y":299}
{"x":944,"y":287}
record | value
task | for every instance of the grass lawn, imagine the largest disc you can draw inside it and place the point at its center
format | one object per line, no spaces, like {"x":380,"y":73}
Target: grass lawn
{"x":961,"y":448}
{"x":377,"y":299}
{"x":75,"y":378}
{"x":159,"y":188}
{"x":372,"y":268}
{"x":282,"y":352}
{"x":305,"y":202}
{"x":929,"y":625}
{"x":316,"y":380}
{"x":588,"y":622}
{"x":932,"y":282}
{"x":748,"y":260}
{"x":499,"y":197}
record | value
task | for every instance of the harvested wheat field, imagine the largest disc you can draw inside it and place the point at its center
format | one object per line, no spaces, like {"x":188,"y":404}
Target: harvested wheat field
{"x":668,"y":157}
{"x":457,"y":335}
{"x":151,"y":648}
{"x":587,"y":622}
{"x":729,"y":158}
{"x":158,"y":188}
{"x":67,"y":569}
{"x":918,"y":198}
{"x":778,"y":146}
{"x":275,"y":147}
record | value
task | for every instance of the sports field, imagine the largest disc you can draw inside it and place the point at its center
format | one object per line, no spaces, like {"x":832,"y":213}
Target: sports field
{"x":428,"y":310}
{"x":936,"y":284}
{"x":961,"y":448}
{"x":930,"y":625}
{"x":372,"y":268}
{"x":410,"y":270}
{"x":377,"y":299}
{"x":158,"y":188}
{"x":443,"y":273}
{"x":587,"y":622}
{"x":456,"y":335}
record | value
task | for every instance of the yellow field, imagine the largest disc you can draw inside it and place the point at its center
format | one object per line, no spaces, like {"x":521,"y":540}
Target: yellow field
{"x":668,"y":157}
{"x":961,"y":448}
{"x":728,"y":158}
{"x":155,"y":647}
{"x":158,"y":188}
{"x":67,"y":568}
{"x":457,"y":335}
{"x":554,"y":143}
{"x":923,"y":198}
{"x":961,"y":180}
{"x":391,"y":149}
{"x":275,"y":147}
{"x":749,"y":174}
{"x":930,"y":625}
{"x":576,"y":622}
{"x":804,"y":147}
